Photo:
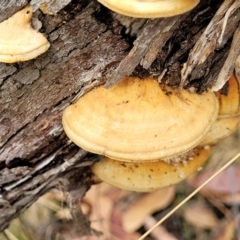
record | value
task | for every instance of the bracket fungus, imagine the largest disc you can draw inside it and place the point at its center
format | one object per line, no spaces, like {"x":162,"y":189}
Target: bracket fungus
{"x":138,"y":120}
{"x":150,"y":8}
{"x":228,"y":117}
{"x":18,"y":40}
{"x":149,"y":176}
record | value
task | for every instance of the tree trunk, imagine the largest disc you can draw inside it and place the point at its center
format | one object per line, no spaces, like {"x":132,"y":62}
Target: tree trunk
{"x":89,"y":47}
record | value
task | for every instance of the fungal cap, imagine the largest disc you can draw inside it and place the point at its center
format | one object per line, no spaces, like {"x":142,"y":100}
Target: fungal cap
{"x":148,"y":176}
{"x":18,"y":40}
{"x":150,"y":8}
{"x":230,"y":103}
{"x":220,"y":130}
{"x":228,"y":118}
{"x":137,"y":121}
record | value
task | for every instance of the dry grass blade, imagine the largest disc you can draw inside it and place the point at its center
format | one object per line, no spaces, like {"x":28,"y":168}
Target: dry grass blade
{"x":9,"y":235}
{"x":190,"y":196}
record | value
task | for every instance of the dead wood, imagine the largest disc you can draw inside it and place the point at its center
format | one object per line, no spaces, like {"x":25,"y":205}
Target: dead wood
{"x":89,"y":46}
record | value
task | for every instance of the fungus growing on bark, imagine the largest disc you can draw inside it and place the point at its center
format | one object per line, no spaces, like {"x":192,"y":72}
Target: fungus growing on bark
{"x":18,"y":40}
{"x":228,"y":118}
{"x":150,"y":176}
{"x":150,"y":8}
{"x":138,"y":120}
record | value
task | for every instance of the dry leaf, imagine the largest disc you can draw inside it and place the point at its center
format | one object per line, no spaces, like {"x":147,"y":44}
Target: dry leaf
{"x":101,"y":209}
{"x":159,"y":233}
{"x":135,"y":215}
{"x":225,"y":187}
{"x":200,"y":215}
{"x":225,"y":182}
{"x":226,"y":232}
{"x":116,"y":194}
{"x":229,"y":198}
{"x":117,"y":232}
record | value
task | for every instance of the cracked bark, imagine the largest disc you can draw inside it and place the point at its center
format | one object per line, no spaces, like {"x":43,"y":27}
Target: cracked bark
{"x":89,"y":47}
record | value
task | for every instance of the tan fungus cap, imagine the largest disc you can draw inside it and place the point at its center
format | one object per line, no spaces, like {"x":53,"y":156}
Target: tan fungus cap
{"x":229,"y":114}
{"x":230,"y":103}
{"x":136,"y":120}
{"x":150,"y":8}
{"x":18,"y":40}
{"x":149,"y":176}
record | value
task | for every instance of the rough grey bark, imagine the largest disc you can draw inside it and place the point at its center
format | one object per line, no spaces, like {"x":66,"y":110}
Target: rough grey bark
{"x":89,"y":47}
{"x":7,"y":8}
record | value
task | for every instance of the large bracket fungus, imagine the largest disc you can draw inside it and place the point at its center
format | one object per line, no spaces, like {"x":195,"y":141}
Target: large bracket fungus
{"x":150,"y":8}
{"x":18,"y":40}
{"x":138,"y":120}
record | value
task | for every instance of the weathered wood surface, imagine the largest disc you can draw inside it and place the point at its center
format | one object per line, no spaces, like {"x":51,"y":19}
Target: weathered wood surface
{"x":89,"y":46}
{"x":35,"y":154}
{"x":7,"y":8}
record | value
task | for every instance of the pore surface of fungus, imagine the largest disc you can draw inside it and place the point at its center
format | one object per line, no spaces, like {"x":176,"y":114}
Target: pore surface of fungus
{"x":149,"y":176}
{"x":150,"y":8}
{"x":228,"y":118}
{"x":137,"y":120}
{"x":18,"y":40}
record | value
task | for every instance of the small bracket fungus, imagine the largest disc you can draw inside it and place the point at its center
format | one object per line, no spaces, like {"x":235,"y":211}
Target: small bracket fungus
{"x":18,"y":40}
{"x":136,"y":120}
{"x":229,"y":115}
{"x":229,"y":104}
{"x":150,"y":8}
{"x":149,"y":176}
